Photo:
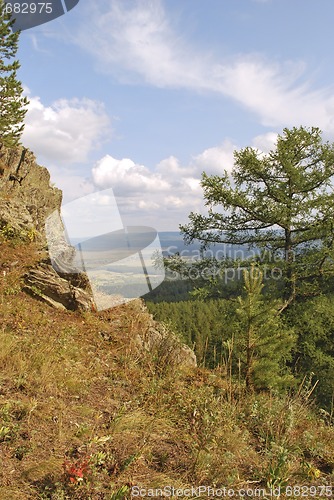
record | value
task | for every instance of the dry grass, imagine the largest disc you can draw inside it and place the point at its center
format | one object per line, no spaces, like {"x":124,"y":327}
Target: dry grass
{"x":74,"y":388}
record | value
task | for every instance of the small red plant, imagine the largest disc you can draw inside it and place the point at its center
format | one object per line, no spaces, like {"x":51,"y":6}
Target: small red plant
{"x":76,"y":472}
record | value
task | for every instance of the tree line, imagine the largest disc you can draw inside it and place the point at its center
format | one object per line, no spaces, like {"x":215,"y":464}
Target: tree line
{"x":275,"y":324}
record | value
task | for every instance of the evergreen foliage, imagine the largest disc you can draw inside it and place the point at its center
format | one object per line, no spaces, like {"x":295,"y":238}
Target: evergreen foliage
{"x":282,"y":202}
{"x":171,"y":291}
{"x":204,"y":325}
{"x":249,"y":330}
{"x":12,"y":104}
{"x":263,"y":343}
{"x":313,"y":321}
{"x":298,"y":342}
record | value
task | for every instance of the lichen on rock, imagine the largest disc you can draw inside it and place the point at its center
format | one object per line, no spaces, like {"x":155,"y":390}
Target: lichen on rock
{"x":26,"y":196}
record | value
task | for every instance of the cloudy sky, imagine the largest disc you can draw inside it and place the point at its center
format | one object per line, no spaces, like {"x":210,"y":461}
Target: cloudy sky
{"x":142,"y":96}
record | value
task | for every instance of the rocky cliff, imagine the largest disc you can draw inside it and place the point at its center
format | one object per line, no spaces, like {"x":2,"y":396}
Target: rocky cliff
{"x":26,"y":197}
{"x":26,"y":200}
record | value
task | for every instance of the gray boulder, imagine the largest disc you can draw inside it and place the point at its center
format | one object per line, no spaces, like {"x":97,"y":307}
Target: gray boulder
{"x":45,"y":284}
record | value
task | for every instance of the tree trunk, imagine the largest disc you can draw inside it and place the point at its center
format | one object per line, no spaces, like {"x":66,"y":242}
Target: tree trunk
{"x":249,"y":361}
{"x":290,"y":281}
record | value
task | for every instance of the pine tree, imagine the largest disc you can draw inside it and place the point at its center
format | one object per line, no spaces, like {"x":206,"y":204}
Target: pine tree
{"x":263,"y":343}
{"x":12,"y":103}
{"x":282,"y":203}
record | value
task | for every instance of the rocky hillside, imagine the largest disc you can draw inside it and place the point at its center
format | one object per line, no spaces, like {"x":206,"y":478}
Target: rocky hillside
{"x":26,"y":200}
{"x":96,"y":405}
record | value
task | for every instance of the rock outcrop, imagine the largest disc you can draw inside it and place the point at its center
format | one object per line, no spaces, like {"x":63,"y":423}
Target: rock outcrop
{"x":26,"y":200}
{"x":44,"y":283}
{"x":26,"y":197}
{"x":161,"y":343}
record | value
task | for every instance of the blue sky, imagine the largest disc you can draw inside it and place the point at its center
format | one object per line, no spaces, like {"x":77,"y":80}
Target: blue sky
{"x":143,"y":95}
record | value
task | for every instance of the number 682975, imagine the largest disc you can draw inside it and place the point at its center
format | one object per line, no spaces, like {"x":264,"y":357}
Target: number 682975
{"x":308,"y":491}
{"x":28,"y":8}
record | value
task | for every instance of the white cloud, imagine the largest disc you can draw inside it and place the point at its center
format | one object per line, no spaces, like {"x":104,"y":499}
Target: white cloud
{"x":35,"y":43}
{"x":92,"y":215}
{"x":217,"y":159}
{"x":137,"y":41}
{"x":137,"y":38}
{"x":172,"y":167}
{"x":148,"y":205}
{"x":270,"y":89}
{"x":67,"y":131}
{"x":126,"y":176}
{"x":265,"y":142}
{"x":72,"y":185}
{"x":163,"y":197}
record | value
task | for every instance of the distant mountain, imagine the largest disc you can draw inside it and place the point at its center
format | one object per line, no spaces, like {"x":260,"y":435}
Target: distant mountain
{"x":120,"y":244}
{"x":173,"y":242}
